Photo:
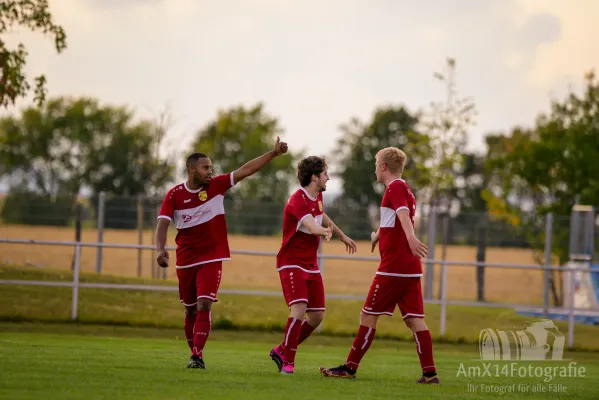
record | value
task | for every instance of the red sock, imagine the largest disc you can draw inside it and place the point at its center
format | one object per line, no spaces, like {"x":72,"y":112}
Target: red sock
{"x":201,"y":330}
{"x":190,"y":319}
{"x":305,"y":331}
{"x":424,"y":347}
{"x":292,"y":332}
{"x":360,"y":346}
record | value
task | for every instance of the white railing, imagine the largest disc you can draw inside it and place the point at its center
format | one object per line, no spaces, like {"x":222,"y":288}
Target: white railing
{"x":443,"y":301}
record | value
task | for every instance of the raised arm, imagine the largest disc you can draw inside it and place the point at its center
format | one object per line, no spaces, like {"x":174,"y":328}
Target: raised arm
{"x":350,"y":245}
{"x":418,"y":248}
{"x":255,"y":165}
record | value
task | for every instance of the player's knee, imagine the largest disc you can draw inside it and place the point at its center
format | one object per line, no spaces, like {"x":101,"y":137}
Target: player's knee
{"x":315,"y":317}
{"x":204,"y":304}
{"x":191,"y":311}
{"x":297,"y":310}
{"x":368,"y":320}
{"x":416,"y":324}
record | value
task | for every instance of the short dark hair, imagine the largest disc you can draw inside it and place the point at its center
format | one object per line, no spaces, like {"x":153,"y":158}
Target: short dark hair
{"x":193,"y":158}
{"x":309,"y":166}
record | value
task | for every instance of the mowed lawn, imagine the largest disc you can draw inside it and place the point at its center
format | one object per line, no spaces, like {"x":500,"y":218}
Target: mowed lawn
{"x":258,"y":272}
{"x":96,"y":362}
{"x":235,"y":311}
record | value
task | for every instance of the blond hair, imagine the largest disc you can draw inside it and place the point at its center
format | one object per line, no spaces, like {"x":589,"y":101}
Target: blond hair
{"x":394,"y":158}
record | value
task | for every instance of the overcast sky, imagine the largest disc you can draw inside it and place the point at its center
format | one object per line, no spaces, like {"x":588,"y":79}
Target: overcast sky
{"x":317,"y":63}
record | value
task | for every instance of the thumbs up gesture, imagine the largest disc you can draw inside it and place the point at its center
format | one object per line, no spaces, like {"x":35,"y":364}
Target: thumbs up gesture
{"x":280,"y":147}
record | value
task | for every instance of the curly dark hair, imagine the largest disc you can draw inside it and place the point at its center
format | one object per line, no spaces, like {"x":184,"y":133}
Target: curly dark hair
{"x":309,"y":166}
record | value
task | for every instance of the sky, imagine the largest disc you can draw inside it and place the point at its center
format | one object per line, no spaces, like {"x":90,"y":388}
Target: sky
{"x":316,"y":64}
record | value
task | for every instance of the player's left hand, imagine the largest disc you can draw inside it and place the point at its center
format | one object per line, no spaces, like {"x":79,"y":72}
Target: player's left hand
{"x":418,"y":248}
{"x":280,"y":147}
{"x":374,"y":239}
{"x":350,"y":245}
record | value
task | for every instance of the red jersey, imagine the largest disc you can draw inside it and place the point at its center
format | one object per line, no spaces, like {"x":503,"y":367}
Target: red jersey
{"x":199,"y":216}
{"x":396,"y":257}
{"x":299,"y":248}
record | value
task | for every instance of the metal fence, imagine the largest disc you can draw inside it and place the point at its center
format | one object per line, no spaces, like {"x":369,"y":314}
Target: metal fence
{"x":443,"y":301}
{"x":546,"y":236}
{"x":550,"y":235}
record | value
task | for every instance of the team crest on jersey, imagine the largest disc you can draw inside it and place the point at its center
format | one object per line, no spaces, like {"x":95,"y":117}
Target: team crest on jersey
{"x":320,"y":205}
{"x":202,"y":195}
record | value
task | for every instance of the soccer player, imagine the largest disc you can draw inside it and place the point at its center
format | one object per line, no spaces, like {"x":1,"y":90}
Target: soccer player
{"x":196,"y":207}
{"x":304,"y":223}
{"x":397,"y":280}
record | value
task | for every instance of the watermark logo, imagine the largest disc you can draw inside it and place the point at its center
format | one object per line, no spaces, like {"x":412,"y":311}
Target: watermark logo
{"x":540,"y":340}
{"x":503,"y":355}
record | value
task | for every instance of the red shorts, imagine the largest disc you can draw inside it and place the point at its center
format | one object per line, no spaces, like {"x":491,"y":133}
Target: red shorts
{"x":388,"y":291}
{"x":300,"y":286}
{"x":200,"y":281}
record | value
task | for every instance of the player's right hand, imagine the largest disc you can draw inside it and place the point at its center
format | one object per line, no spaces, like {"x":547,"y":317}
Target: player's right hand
{"x":162,"y":258}
{"x":418,"y":248}
{"x":328,"y":233}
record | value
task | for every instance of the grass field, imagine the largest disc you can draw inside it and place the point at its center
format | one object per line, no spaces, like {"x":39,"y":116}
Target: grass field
{"x":258,"y":313}
{"x":130,"y":345}
{"x":97,"y":362}
{"x":257,"y":272}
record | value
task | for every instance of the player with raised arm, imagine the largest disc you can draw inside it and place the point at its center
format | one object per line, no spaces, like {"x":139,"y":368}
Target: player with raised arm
{"x":304,"y":222}
{"x":197,"y":209}
{"x":397,"y":280}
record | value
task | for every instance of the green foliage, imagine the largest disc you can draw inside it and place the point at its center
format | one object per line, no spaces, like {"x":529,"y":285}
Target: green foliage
{"x":355,"y":155}
{"x":25,"y":207}
{"x":356,"y":150}
{"x":73,"y":143}
{"x":240,"y":134}
{"x":34,"y":15}
{"x":553,"y":163}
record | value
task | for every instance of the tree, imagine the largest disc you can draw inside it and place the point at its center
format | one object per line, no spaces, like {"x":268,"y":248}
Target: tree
{"x":356,"y":150}
{"x":71,"y":144}
{"x":239,"y":134}
{"x":354,"y":157}
{"x":550,"y":166}
{"x":447,"y":124}
{"x":34,"y":15}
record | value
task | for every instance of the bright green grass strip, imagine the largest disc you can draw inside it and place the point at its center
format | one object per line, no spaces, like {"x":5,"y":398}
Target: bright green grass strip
{"x":63,"y":365}
{"x":237,"y":312}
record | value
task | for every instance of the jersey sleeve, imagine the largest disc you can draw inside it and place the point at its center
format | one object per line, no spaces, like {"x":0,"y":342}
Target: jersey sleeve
{"x":221,"y":183}
{"x":398,"y":198}
{"x":299,"y":209}
{"x":167,"y":209}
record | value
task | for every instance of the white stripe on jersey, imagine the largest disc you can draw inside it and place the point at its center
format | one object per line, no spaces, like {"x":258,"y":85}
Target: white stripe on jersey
{"x":387,"y":218}
{"x":201,"y":214}
{"x":302,"y":227}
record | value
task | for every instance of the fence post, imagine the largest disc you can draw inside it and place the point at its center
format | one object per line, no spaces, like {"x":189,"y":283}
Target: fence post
{"x":481,"y":257}
{"x":78,"y":218}
{"x":444,"y":240}
{"x":140,"y":232}
{"x":321,"y":268}
{"x":430,"y":268}
{"x":76,"y":265}
{"x":100,"y":226}
{"x":153,"y":264}
{"x":546,"y":273}
{"x":571,"y":309}
{"x":443,"y":289}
